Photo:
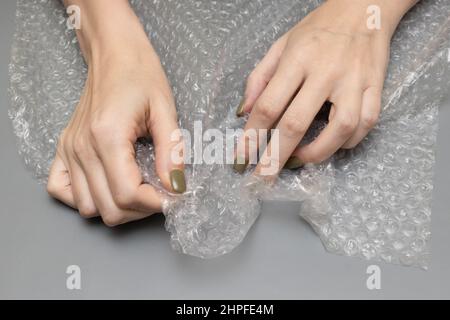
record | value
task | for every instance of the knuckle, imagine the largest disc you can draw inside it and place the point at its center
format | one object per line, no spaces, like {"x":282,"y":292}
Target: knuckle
{"x":113,"y":218}
{"x":87,"y":210}
{"x":298,"y":58}
{"x":266,"y":109}
{"x":369,"y":121}
{"x":52,"y":188}
{"x":124,"y":199}
{"x":347,"y":123}
{"x":101,"y":129}
{"x":293,"y":127}
{"x":331,"y":74}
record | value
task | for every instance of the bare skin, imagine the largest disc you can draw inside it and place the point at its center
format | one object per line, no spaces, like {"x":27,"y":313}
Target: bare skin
{"x":331,"y":55}
{"x":126,"y":96}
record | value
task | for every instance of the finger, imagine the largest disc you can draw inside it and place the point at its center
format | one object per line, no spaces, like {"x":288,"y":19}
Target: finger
{"x":169,"y":145}
{"x":81,"y":192}
{"x":144,"y":202}
{"x":342,"y":126}
{"x":370,"y":111}
{"x":276,"y":96}
{"x":293,"y":125}
{"x":58,"y":185}
{"x":261,"y":75}
{"x":114,"y":146}
{"x":270,"y":106}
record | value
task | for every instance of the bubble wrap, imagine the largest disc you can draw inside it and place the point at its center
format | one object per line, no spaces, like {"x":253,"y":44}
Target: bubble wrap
{"x":372,"y":202}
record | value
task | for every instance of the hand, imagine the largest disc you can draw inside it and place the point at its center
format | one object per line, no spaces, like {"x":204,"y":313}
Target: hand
{"x":126,"y":96}
{"x":332,"y":55}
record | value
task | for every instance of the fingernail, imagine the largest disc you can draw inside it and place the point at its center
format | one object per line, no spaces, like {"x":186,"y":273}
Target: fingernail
{"x":293,"y":163}
{"x":240,"y":164}
{"x":178,"y":181}
{"x":240,"y":109}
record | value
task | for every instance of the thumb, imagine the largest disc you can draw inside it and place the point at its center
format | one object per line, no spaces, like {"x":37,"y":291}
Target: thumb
{"x":169,"y":146}
{"x":59,"y":185}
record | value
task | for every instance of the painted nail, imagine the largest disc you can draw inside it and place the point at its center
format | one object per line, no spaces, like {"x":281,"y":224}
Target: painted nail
{"x":240,"y":164}
{"x":240,"y":109}
{"x":293,"y":163}
{"x":178,"y":181}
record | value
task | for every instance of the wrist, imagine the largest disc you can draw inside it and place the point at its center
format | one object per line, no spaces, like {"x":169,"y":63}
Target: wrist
{"x":393,"y":11}
{"x":108,"y":28}
{"x":360,"y":11}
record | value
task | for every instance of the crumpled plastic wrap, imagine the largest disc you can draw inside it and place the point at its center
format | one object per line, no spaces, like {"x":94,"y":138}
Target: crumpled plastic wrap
{"x":372,"y":202}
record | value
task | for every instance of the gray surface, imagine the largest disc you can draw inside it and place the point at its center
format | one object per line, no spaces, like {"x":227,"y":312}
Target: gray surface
{"x":280,"y":258}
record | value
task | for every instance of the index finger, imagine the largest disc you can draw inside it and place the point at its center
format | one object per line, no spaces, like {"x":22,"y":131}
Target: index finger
{"x":293,"y":125}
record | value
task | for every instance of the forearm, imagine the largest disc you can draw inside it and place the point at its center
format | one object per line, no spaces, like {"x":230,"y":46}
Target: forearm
{"x":106,"y":25}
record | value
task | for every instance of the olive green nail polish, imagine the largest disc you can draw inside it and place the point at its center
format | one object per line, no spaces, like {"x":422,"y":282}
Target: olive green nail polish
{"x":293,"y":163}
{"x":240,"y":109}
{"x":178,"y":181}
{"x":240,"y":164}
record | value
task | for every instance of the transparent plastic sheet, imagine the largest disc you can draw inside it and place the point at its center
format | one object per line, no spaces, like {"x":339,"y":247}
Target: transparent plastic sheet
{"x":372,"y":202}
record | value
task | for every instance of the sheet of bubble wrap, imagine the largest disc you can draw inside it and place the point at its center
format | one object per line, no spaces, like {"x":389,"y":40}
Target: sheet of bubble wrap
{"x":372,"y":202}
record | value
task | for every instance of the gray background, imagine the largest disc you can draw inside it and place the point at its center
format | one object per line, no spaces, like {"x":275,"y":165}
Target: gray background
{"x":280,"y":258}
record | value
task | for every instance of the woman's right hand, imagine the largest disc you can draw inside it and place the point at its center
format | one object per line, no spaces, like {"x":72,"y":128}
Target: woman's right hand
{"x":126,"y":96}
